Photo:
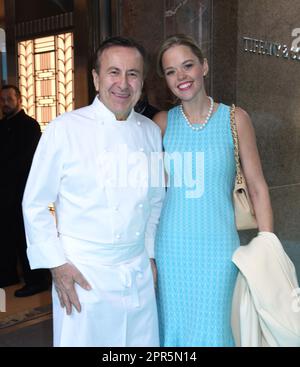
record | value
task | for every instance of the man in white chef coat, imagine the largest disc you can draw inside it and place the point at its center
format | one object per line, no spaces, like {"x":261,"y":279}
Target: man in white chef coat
{"x":93,"y":164}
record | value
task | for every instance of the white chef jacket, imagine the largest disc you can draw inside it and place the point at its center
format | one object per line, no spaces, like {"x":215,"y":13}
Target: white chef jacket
{"x":68,"y":169}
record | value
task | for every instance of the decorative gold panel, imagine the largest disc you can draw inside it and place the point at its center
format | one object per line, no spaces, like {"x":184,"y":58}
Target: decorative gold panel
{"x":46,"y":76}
{"x":26,"y":76}
{"x":64,"y":62}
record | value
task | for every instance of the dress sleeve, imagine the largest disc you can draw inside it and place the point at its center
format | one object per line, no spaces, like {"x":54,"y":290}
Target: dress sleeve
{"x":42,"y":187}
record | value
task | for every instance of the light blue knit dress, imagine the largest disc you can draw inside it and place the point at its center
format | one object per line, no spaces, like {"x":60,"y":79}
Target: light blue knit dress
{"x":197,"y":235}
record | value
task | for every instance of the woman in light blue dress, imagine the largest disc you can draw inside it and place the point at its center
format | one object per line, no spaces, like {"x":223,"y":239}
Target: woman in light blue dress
{"x":197,"y":234}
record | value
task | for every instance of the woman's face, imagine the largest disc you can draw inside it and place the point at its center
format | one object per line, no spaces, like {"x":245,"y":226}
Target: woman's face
{"x":184,"y":72}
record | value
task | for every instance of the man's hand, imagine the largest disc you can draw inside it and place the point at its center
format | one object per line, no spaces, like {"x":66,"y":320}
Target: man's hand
{"x":154,"y":271}
{"x":64,"y":278}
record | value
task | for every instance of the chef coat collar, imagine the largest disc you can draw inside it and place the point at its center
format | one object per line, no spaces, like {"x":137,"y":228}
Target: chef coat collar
{"x":105,"y":114}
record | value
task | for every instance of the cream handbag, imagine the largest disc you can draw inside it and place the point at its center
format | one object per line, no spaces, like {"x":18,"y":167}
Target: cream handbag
{"x":244,"y":212}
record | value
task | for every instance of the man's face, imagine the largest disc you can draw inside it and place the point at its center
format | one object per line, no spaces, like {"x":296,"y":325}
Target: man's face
{"x":10,"y":104}
{"x":120,"y":79}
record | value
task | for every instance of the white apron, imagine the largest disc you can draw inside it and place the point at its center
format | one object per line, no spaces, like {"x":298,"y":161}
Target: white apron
{"x":120,"y":310}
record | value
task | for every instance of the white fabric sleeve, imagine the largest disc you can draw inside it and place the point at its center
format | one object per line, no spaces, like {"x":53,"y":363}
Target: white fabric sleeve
{"x":156,"y":200}
{"x":43,"y":245}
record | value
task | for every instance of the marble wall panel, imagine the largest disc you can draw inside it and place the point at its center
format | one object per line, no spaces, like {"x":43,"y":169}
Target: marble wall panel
{"x":269,"y":87}
{"x":144,"y":21}
{"x":223,"y":56}
{"x":151,"y":22}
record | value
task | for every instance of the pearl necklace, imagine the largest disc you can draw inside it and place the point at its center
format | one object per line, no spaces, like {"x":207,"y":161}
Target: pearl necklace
{"x":201,"y":126}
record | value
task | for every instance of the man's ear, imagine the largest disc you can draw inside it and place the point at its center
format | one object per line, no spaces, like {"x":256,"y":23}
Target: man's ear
{"x":95,"y":79}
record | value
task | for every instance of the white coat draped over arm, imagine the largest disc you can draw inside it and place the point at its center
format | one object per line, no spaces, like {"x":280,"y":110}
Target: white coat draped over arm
{"x":262,"y":307}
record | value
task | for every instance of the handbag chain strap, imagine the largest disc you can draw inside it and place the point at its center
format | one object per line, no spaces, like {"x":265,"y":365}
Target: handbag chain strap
{"x":239,"y":177}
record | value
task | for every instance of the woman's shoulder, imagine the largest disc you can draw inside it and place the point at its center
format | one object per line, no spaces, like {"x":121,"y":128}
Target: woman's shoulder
{"x":243,"y":122}
{"x":161,"y":119}
{"x":241,"y":114}
{"x":161,"y":115}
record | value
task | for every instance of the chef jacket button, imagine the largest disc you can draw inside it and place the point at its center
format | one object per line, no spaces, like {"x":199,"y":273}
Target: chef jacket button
{"x":142,"y":149}
{"x":137,"y":234}
{"x":118,"y":236}
{"x":139,"y":123}
{"x":141,"y":206}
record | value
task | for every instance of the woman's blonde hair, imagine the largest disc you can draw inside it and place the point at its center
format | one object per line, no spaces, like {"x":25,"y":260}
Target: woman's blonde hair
{"x":177,"y":40}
